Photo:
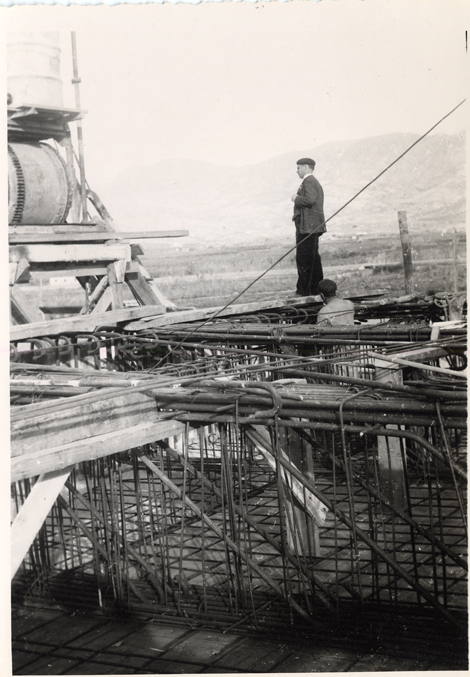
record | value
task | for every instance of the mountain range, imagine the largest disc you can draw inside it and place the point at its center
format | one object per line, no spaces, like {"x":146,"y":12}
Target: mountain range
{"x":251,"y":204}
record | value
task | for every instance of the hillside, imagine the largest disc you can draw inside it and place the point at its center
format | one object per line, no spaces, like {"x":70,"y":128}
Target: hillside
{"x":250,"y":204}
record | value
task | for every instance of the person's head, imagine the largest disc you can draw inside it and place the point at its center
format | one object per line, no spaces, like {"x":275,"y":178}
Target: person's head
{"x":327,"y":289}
{"x":305,"y":166}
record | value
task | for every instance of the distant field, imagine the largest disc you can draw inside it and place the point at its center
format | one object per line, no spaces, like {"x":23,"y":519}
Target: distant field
{"x":189,"y":273}
{"x":201,"y":291}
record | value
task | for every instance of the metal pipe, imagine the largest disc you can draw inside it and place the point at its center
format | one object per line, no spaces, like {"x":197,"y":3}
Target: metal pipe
{"x":81,"y":153}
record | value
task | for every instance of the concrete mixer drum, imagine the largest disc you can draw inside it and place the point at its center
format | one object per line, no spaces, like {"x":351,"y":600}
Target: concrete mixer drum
{"x":39,"y":189}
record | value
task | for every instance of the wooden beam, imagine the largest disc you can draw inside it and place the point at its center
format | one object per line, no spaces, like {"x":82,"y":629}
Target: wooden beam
{"x":104,"y":303}
{"x":162,"y":298}
{"x":80,"y":420}
{"x":204,"y":313}
{"x":141,"y":289}
{"x":82,"y":322}
{"x":19,"y":237}
{"x":97,"y":446}
{"x":116,"y":272}
{"x":33,"y":512}
{"x":46,"y":253}
{"x":43,"y":271}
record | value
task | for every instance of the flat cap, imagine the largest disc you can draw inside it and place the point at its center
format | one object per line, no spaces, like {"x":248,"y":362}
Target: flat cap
{"x":327,"y":287}
{"x":306,"y":161}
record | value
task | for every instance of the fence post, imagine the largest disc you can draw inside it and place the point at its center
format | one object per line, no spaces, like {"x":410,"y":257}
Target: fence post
{"x":406,"y":250}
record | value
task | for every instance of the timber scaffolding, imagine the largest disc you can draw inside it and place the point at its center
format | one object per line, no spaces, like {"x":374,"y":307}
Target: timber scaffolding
{"x":255,"y":472}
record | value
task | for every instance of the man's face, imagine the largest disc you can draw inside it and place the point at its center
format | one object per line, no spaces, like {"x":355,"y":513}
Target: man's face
{"x":302,"y":170}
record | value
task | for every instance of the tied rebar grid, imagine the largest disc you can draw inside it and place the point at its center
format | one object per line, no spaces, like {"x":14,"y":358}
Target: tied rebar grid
{"x":175,"y":528}
{"x":334,"y":493}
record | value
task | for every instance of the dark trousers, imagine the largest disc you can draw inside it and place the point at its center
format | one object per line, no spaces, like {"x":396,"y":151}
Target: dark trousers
{"x":308,"y":262}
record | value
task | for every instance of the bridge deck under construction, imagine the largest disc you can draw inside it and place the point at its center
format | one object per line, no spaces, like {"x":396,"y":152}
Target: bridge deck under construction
{"x":253,"y":475}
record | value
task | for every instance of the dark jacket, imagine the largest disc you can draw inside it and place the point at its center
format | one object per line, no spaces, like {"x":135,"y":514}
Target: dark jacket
{"x":308,"y":207}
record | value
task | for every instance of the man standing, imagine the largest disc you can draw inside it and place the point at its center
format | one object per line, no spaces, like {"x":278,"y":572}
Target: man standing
{"x":336,"y":311}
{"x":309,"y":225}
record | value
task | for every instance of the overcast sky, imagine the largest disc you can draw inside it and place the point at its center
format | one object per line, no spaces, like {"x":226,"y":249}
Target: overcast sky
{"x":240,"y":83}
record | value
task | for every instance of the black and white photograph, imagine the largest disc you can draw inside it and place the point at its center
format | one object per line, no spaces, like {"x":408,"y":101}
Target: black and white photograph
{"x":235,"y":335}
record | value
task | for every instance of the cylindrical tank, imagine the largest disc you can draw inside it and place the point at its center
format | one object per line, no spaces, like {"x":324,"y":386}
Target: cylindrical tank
{"x":33,"y":69}
{"x":39,"y":190}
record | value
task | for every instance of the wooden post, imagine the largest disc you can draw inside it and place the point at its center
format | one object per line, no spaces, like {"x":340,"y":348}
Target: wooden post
{"x":391,"y":470}
{"x":406,"y":249}
{"x":302,"y":533}
{"x":116,"y":273}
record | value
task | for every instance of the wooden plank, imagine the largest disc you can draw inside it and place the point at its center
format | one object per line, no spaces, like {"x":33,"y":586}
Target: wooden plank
{"x":204,"y":313}
{"x":33,"y":512}
{"x":46,"y":253}
{"x":82,"y":322}
{"x":22,"y":309}
{"x":104,"y":303}
{"x":19,"y":237}
{"x":43,"y":271}
{"x":96,"y":446}
{"x":80,"y":420}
